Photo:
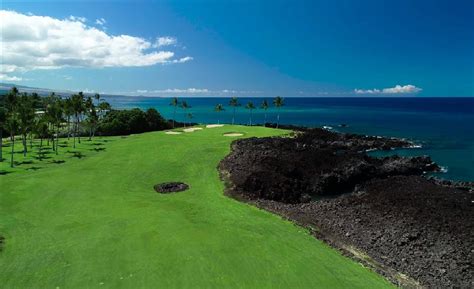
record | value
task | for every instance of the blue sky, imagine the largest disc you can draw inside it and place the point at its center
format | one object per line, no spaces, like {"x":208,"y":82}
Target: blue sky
{"x":245,"y":48}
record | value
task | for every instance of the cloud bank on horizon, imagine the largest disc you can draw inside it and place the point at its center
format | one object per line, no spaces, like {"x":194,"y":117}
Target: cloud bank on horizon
{"x":397,"y":89}
{"x":31,"y":42}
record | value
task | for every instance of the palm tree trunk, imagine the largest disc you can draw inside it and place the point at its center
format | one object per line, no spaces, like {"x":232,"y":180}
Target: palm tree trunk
{"x":24,"y":144}
{"x":74,"y":136}
{"x":233,"y":116}
{"x":57,"y":139}
{"x":278,"y":118}
{"x":185,"y":118}
{"x":1,"y":145}
{"x":78,"y":132}
{"x":174,"y":115}
{"x":13,"y":149}
{"x":68,"y":127}
{"x":250,"y":118}
{"x":265,"y":121}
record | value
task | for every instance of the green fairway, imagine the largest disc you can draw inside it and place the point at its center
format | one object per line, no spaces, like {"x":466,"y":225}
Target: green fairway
{"x":96,"y":222}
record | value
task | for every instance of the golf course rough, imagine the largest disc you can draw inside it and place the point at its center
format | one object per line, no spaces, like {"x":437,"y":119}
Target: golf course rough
{"x":95,"y":222}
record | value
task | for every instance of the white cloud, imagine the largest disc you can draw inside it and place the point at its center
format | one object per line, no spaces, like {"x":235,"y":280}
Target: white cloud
{"x":75,"y":18}
{"x":165,"y":41}
{"x":367,"y":91}
{"x":42,"y":42}
{"x":188,"y":92}
{"x":183,"y":59}
{"x":5,"y":77}
{"x":191,"y":90}
{"x":397,"y":89}
{"x":100,"y":21}
{"x":402,"y":89}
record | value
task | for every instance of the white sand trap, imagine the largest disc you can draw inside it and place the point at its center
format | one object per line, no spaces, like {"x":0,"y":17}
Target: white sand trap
{"x":214,"y":125}
{"x":233,"y":134}
{"x":192,"y":129}
{"x":173,"y":132}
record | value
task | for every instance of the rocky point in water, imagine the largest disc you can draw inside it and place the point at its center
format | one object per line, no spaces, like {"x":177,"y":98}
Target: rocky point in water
{"x":403,"y":221}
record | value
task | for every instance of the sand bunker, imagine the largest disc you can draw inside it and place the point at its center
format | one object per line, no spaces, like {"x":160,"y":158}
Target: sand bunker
{"x":192,"y":129}
{"x":214,"y":125}
{"x":233,"y":134}
{"x":173,"y":132}
{"x":171,"y":187}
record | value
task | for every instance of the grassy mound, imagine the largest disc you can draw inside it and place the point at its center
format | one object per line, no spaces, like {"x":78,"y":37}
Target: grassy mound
{"x":96,"y":222}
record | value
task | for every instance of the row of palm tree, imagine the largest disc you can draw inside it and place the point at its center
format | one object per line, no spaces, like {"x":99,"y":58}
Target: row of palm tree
{"x":184,"y":105}
{"x":29,"y":116}
{"x":278,"y":102}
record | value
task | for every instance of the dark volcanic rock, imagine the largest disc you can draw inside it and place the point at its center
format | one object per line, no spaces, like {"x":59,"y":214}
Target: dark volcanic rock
{"x":410,"y":224}
{"x":316,"y":162}
{"x":403,"y":221}
{"x":171,"y":187}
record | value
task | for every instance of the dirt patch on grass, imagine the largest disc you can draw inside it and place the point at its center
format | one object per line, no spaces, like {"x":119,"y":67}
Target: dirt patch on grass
{"x":233,"y":134}
{"x":192,"y":129}
{"x":171,"y":187}
{"x":214,"y":125}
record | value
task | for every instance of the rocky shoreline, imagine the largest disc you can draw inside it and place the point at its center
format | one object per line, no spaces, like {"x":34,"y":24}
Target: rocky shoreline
{"x":382,"y":211}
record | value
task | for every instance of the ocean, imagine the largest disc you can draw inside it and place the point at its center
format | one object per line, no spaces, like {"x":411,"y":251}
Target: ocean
{"x":443,"y":127}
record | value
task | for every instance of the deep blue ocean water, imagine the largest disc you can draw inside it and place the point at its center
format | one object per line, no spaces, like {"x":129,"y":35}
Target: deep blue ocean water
{"x":443,"y":126}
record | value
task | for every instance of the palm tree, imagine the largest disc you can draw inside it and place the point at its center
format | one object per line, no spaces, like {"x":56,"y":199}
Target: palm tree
{"x":104,"y":106}
{"x":174,"y":103}
{"x":41,"y":129}
{"x":190,"y":117}
{"x":91,"y":116}
{"x":12,"y":126}
{"x":250,"y":107}
{"x":3,"y":118}
{"x":264,"y":106}
{"x":97,"y":97}
{"x":218,"y":109}
{"x":26,"y":116}
{"x":55,"y":112}
{"x":234,"y":102}
{"x":68,"y":112}
{"x":78,"y":108}
{"x":11,"y":122}
{"x":278,"y":102}
{"x":185,"y":106}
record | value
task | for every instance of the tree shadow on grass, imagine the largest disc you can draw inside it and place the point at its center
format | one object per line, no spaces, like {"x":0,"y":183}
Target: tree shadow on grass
{"x":98,"y":149}
{"x":34,"y":168}
{"x":24,"y":163}
{"x":3,"y":173}
{"x":58,"y":162}
{"x":78,"y":155}
{"x":41,"y":156}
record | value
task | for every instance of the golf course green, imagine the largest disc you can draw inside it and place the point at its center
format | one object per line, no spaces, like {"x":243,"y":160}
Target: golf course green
{"x":95,"y":221}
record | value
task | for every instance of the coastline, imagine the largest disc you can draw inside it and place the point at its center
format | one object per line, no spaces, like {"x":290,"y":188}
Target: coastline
{"x":374,"y":230}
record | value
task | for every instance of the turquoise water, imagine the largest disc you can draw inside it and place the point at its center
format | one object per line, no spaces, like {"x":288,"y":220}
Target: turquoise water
{"x":442,"y":126}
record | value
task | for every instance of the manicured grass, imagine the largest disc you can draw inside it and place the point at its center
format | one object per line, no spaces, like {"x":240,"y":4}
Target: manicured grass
{"x":96,"y":222}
